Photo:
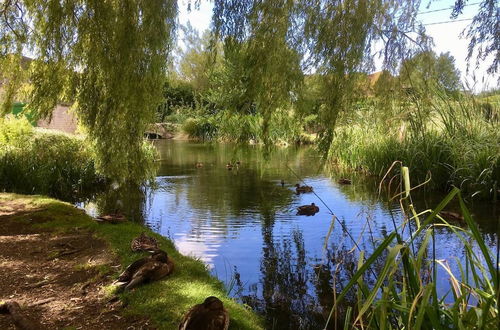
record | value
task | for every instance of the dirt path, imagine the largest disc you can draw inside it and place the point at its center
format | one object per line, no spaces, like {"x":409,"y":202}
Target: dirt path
{"x":57,"y":278}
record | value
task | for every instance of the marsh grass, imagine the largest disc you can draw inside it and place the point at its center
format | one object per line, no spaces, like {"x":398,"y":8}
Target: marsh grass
{"x":284,"y":128}
{"x":404,"y":294}
{"x":45,"y":162}
{"x":164,"y":302}
{"x":453,"y":144}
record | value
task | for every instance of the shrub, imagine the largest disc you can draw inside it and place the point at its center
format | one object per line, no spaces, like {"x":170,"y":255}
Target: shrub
{"x":45,"y":162}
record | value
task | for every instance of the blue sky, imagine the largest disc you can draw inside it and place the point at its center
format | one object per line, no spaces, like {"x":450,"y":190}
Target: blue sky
{"x":446,"y":36}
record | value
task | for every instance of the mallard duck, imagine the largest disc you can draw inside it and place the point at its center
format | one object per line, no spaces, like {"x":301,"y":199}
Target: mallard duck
{"x":303,"y":189}
{"x":111,"y":218}
{"x":199,"y":165}
{"x":229,"y":166}
{"x":344,"y":181}
{"x":210,"y":315}
{"x":451,"y":216}
{"x":147,"y":269}
{"x":144,"y":243}
{"x":307,"y":209}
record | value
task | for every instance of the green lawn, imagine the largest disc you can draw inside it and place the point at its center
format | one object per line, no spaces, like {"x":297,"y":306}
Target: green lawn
{"x":164,"y":302}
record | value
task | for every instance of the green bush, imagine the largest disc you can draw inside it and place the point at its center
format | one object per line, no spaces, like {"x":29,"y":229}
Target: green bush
{"x":49,"y":163}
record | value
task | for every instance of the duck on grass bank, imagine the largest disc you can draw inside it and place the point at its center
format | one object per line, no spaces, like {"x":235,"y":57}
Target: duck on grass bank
{"x":144,"y":243}
{"x":307,"y":209}
{"x":147,"y":269}
{"x":113,"y":218}
{"x":210,"y":315}
{"x":303,"y":189}
{"x":344,"y":181}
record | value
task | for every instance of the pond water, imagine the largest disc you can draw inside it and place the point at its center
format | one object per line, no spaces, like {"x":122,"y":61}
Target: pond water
{"x":242,"y":223}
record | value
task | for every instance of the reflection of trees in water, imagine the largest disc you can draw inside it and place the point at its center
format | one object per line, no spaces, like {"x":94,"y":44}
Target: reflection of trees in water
{"x":284,"y":299}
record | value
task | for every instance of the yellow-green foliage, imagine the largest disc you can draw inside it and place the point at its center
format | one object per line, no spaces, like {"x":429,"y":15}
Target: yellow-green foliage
{"x":164,"y":302}
{"x":44,"y":162}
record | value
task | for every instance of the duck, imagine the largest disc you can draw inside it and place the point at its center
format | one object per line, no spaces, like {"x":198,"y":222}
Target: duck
{"x":199,"y":165}
{"x":344,"y":181}
{"x":451,"y":216}
{"x":307,"y":209}
{"x":210,"y":315}
{"x":303,"y":189}
{"x":111,"y":218}
{"x":238,"y":163}
{"x":144,"y":270}
{"x":144,"y":243}
{"x":229,"y":166}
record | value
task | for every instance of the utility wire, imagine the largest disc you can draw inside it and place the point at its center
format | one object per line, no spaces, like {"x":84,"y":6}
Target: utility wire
{"x":452,"y":21}
{"x":443,"y":9}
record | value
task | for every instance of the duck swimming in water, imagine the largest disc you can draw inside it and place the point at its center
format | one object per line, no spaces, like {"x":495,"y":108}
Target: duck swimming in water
{"x":210,"y":315}
{"x":307,"y":209}
{"x":303,"y":189}
{"x":344,"y":181}
{"x":147,"y":269}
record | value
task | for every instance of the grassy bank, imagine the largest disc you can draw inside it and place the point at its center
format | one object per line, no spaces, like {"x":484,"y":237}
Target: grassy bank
{"x":456,"y":146}
{"x":45,"y":162}
{"x":164,"y":302}
{"x":284,"y":128}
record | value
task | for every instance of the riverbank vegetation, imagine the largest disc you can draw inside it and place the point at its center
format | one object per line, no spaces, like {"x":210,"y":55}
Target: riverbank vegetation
{"x":405,"y":291}
{"x":421,"y":116}
{"x":45,"y":162}
{"x":163,"y":302}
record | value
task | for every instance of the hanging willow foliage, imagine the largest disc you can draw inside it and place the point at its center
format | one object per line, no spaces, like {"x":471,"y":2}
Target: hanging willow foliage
{"x":108,"y":56}
{"x":333,"y":39}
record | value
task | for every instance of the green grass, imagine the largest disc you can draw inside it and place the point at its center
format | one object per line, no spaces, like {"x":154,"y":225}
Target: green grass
{"x":470,"y":161}
{"x":45,"y":162}
{"x":164,"y":302}
{"x":404,"y":292}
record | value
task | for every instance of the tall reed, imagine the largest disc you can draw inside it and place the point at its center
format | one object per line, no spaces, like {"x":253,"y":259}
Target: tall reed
{"x":404,"y":294}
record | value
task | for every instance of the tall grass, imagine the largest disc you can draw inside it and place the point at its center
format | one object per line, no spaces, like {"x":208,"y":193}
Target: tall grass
{"x":450,"y":140}
{"x":44,"y":162}
{"x":404,"y":293}
{"x":284,"y":128}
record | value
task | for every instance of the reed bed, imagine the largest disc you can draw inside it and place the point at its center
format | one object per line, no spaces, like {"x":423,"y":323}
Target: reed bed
{"x":404,"y":293}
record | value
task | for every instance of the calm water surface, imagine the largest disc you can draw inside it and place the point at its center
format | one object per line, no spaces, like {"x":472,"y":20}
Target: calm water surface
{"x":243,"y":224}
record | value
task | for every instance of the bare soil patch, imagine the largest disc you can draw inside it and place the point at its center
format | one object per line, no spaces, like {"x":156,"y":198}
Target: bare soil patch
{"x":57,"y":278}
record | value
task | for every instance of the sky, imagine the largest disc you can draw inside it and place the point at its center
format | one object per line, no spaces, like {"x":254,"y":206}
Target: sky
{"x":446,"y":36}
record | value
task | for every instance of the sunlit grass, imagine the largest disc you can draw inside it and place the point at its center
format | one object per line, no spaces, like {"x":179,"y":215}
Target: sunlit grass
{"x":164,"y":302}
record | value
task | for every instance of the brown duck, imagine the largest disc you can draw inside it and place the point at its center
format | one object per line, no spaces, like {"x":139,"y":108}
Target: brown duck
{"x":148,"y":269}
{"x":344,"y":181}
{"x":111,"y":218}
{"x":229,"y":166}
{"x":307,"y":209}
{"x":199,"y":165}
{"x":451,"y":216}
{"x":210,"y":315}
{"x":303,"y":189}
{"x":144,"y":243}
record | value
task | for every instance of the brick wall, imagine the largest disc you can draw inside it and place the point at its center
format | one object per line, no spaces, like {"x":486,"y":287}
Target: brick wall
{"x":62,"y":120}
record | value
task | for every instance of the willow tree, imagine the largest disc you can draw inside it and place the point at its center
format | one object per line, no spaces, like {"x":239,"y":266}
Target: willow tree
{"x":109,"y":57}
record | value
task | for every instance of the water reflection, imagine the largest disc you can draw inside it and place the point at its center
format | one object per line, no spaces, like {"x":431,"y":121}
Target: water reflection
{"x":242,"y":223}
